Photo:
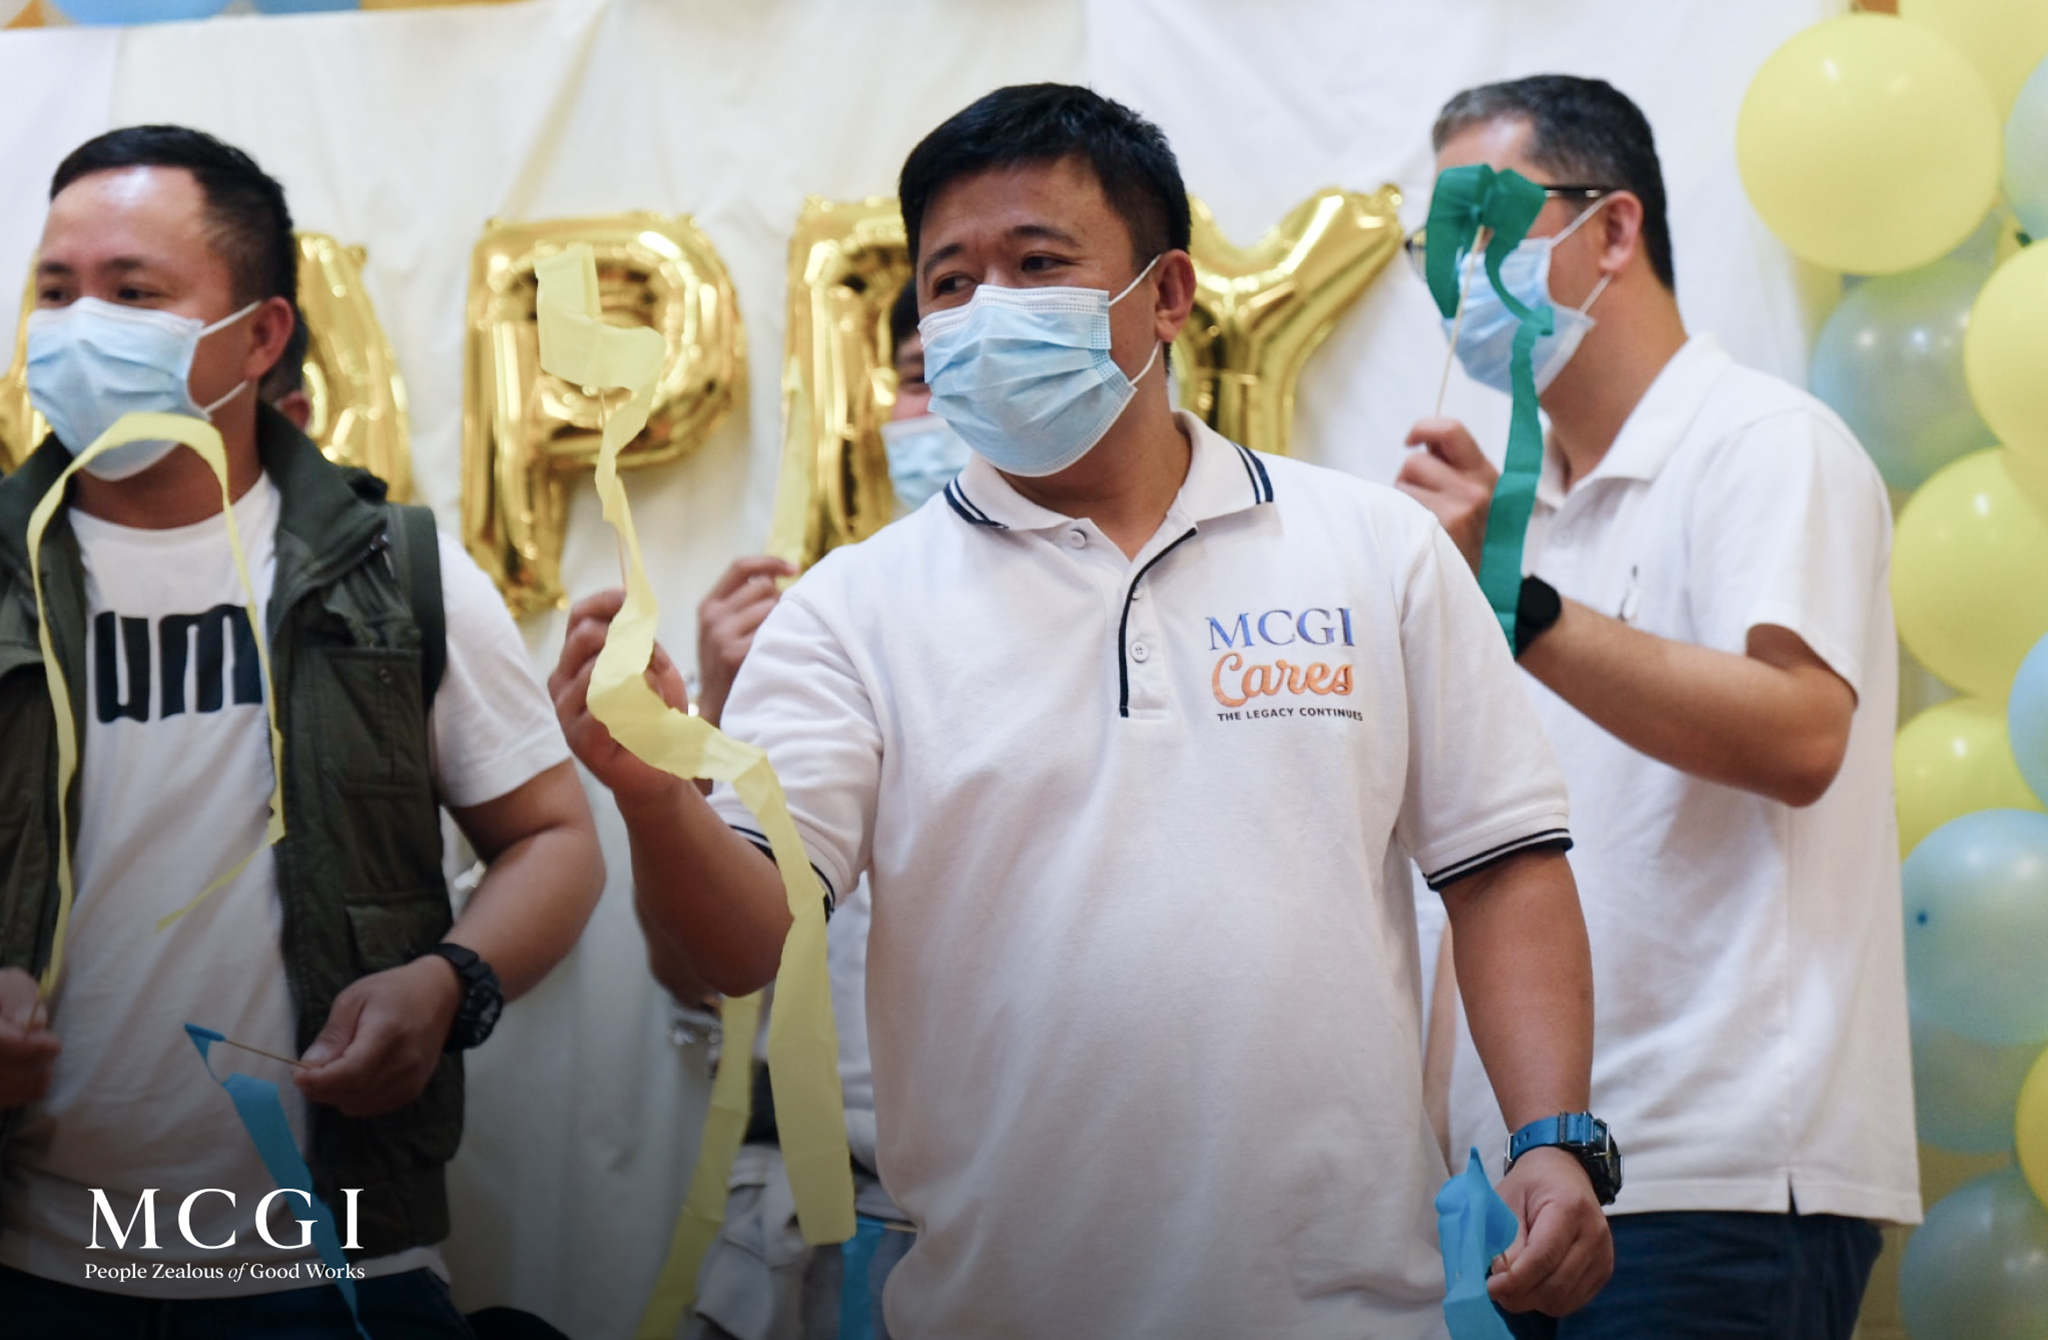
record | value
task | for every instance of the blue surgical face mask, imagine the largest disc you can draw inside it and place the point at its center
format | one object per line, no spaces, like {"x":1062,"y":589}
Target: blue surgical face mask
{"x":93,"y":361}
{"x":1025,"y":374}
{"x":1484,"y":332}
{"x":924,"y":455}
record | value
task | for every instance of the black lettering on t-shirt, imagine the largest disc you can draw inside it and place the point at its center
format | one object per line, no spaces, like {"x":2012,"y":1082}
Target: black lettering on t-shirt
{"x":106,"y":667}
{"x":177,"y":637}
{"x":174,"y":636}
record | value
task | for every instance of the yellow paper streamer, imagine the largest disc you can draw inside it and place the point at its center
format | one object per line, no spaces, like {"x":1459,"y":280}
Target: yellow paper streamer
{"x":203,"y":438}
{"x":803,"y":1046}
{"x":791,"y":518}
{"x":725,"y":1126}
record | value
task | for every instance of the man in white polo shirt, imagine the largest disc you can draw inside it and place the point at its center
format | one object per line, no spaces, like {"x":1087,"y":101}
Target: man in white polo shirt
{"x":1710,"y":642}
{"x":1133,"y":733}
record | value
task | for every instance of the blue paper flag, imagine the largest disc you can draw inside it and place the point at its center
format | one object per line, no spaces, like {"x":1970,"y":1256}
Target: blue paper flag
{"x":856,"y":1299}
{"x":1473,"y":1225}
{"x":263,"y":1114}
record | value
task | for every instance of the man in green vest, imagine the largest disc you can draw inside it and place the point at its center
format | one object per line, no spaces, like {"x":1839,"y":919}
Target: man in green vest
{"x":132,"y":1201}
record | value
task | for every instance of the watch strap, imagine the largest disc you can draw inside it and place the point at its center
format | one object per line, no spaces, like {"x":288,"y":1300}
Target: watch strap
{"x":483,"y":999}
{"x":1537,"y":611}
{"x":1582,"y":1135}
{"x":1566,"y":1128}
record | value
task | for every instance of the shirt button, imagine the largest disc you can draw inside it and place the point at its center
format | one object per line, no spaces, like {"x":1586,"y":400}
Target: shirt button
{"x":1140,"y":652}
{"x":1077,"y":539}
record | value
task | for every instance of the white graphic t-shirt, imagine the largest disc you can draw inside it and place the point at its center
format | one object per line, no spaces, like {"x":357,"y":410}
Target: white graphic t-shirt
{"x":175,"y":779}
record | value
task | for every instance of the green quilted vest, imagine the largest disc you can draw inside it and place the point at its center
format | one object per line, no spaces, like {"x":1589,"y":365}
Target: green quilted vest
{"x":359,"y":868}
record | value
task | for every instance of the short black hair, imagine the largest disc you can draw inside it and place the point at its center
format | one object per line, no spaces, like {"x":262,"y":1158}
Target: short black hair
{"x":902,"y":318}
{"x":288,"y":373}
{"x":250,"y":225}
{"x":1583,"y":129}
{"x":1042,"y":123}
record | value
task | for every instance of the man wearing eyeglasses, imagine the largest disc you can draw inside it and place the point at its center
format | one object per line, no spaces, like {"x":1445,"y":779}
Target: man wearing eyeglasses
{"x":1705,"y":625}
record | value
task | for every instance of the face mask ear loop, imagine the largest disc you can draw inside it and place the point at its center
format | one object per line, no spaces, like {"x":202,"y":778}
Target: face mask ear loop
{"x":230,"y":319}
{"x":1134,"y":283}
{"x":1573,"y":226}
{"x":223,"y":324}
{"x":1156,"y":347}
{"x":209,"y":409}
{"x":1126,"y":293}
{"x":1443,"y":384}
{"x":1598,"y":289}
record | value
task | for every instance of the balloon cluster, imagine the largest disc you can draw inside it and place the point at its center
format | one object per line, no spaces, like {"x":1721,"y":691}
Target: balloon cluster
{"x":161,"y":11}
{"x":1877,"y":146}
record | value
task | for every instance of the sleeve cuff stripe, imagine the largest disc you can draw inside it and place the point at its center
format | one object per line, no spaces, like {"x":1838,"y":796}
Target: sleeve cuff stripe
{"x":1555,"y":839}
{"x":760,"y":839}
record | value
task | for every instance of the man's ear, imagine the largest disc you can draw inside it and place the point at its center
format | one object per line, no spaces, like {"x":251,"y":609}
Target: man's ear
{"x":1176,"y":271}
{"x":270,"y":329}
{"x":1621,"y":231}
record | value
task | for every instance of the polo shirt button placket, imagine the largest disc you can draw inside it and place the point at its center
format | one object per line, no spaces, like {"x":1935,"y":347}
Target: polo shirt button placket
{"x":1077,"y":538}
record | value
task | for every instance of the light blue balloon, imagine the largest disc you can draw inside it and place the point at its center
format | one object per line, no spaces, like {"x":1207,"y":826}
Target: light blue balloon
{"x":139,"y":11}
{"x":1965,"y":1092}
{"x":2026,"y":154}
{"x":1976,"y":897}
{"x":2026,"y":718}
{"x":1890,"y":362}
{"x":1978,"y":1268}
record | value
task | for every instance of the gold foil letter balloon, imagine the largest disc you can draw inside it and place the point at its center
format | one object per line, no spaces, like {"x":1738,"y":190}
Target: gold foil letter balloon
{"x":21,"y":428}
{"x":1259,"y":314}
{"x":524,"y":431}
{"x":847,"y":262}
{"x":1261,"y":311}
{"x":351,"y":379}
{"x":352,"y":384}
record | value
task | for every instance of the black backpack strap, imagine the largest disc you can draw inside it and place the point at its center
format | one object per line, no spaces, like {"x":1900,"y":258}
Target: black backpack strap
{"x":416,"y":557}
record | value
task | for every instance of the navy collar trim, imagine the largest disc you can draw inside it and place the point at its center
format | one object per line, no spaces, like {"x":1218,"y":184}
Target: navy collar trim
{"x":1262,"y":483}
{"x":957,"y":499}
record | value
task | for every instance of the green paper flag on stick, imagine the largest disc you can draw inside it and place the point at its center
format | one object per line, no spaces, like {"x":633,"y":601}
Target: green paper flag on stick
{"x":1468,"y":199}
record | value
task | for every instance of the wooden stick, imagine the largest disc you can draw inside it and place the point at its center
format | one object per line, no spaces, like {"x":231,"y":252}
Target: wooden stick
{"x":296,"y":1065}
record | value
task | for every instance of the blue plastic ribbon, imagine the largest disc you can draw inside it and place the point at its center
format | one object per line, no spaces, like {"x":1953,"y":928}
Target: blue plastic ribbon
{"x":262,"y":1113}
{"x":856,"y":1299}
{"x":1473,"y":1225}
{"x":1506,"y":204}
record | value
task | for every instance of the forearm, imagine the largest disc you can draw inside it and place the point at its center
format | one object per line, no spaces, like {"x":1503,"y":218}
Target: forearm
{"x":535,"y":898}
{"x":1727,"y":718}
{"x":708,"y":900}
{"x":1518,"y":942}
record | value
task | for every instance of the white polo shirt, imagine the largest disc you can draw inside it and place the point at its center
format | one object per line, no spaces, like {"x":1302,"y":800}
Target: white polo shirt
{"x":1748,"y":964}
{"x":1142,"y":988}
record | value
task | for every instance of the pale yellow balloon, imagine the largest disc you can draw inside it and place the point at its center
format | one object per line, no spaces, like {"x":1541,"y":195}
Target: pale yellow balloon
{"x":2030,"y":1128}
{"x":1968,"y":567}
{"x":2004,"y":39}
{"x":2005,"y":353}
{"x":1953,"y":759}
{"x":1869,"y":144}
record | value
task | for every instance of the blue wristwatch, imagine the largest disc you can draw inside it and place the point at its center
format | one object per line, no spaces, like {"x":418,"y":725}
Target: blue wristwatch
{"x":1582,"y":1135}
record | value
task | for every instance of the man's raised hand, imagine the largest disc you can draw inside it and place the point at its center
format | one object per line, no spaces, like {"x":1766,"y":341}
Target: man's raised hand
{"x":590,"y":619}
{"x":1452,"y":478}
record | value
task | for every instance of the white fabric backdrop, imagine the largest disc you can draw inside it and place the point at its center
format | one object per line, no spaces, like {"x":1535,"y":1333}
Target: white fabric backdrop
{"x":1321,"y":92}
{"x":406,"y":131}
